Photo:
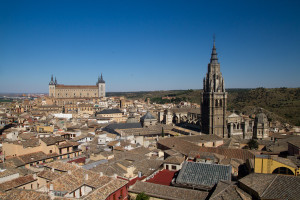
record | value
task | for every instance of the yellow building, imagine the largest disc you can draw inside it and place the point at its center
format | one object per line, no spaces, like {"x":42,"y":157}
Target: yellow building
{"x":48,"y":145}
{"x":267,"y":164}
{"x":112,"y":114}
{"x":44,"y":129}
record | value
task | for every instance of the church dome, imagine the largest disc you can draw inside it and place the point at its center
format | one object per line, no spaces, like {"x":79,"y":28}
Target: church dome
{"x":148,"y":116}
{"x":261,"y":118}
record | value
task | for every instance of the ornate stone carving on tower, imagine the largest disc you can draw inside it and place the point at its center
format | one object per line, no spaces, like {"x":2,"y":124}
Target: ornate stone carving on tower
{"x":214,"y":99}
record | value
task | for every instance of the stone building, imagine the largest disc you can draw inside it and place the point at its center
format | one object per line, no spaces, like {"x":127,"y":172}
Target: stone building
{"x":148,"y":119}
{"x":239,"y":125}
{"x":214,"y":99}
{"x":60,"y":91}
{"x":234,"y":124}
{"x":261,"y":126}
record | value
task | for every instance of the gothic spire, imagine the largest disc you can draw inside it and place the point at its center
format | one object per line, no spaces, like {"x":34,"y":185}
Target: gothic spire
{"x":55,"y":81}
{"x":101,"y":79}
{"x":214,"y":57}
{"x":51,"y":82}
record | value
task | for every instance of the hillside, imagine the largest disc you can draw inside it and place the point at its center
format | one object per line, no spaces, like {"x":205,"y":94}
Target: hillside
{"x":283,"y":102}
{"x":279,"y":103}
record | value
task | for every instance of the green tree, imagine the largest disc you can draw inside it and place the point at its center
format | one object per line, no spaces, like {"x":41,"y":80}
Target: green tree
{"x":253,"y":144}
{"x":142,"y":196}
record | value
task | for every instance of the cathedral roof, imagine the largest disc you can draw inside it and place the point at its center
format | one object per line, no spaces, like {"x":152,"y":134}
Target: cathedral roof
{"x":148,"y":115}
{"x":261,"y":118}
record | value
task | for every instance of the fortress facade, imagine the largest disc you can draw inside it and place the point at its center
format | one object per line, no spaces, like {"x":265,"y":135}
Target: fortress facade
{"x":60,"y":91}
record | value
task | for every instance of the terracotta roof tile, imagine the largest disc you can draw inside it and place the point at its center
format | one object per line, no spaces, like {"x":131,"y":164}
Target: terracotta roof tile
{"x":48,"y":174}
{"x":104,"y":191}
{"x":167,"y":192}
{"x":226,"y":190}
{"x":61,"y":166}
{"x":174,"y":160}
{"x":18,"y":194}
{"x":271,"y":186}
{"x":33,"y":157}
{"x":70,"y":182}
{"x":8,"y":185}
{"x":52,"y":140}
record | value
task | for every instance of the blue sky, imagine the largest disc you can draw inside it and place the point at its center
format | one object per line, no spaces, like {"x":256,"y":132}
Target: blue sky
{"x":148,"y":45}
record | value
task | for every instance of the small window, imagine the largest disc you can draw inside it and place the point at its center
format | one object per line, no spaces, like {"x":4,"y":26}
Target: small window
{"x":174,"y":167}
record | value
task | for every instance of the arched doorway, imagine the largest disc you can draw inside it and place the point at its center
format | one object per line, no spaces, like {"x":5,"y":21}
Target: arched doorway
{"x":175,"y":119}
{"x":283,"y":170}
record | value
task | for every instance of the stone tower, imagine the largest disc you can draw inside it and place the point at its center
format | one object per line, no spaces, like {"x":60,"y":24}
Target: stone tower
{"x":261,"y":126}
{"x":101,"y":86}
{"x":52,"y":85}
{"x":214,"y":99}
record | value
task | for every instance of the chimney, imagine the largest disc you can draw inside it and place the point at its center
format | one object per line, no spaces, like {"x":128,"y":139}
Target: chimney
{"x":51,"y":187}
{"x":115,"y":175}
{"x":139,"y":174}
{"x":69,"y":172}
{"x":86,"y":177}
{"x":101,"y":173}
{"x":52,"y":169}
{"x":34,"y":176}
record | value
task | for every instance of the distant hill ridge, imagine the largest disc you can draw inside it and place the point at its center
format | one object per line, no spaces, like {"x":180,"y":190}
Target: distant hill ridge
{"x":280,"y":103}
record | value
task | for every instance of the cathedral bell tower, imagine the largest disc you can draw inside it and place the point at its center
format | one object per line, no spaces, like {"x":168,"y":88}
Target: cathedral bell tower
{"x":214,"y":99}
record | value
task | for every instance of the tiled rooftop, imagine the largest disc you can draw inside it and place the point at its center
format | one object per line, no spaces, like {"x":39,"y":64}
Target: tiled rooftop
{"x":105,"y":190}
{"x":33,"y":157}
{"x":174,"y":160}
{"x":202,"y":174}
{"x":18,"y":194}
{"x":52,"y":140}
{"x":61,"y":166}
{"x":8,"y":185}
{"x":163,"y":177}
{"x":70,"y":182}
{"x":167,"y":192}
{"x":225,"y":190}
{"x":271,"y":186}
{"x":48,"y":174}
